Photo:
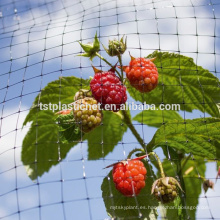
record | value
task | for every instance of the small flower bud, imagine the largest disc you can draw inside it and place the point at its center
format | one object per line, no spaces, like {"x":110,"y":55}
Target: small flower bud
{"x":90,"y":49}
{"x":115,"y":47}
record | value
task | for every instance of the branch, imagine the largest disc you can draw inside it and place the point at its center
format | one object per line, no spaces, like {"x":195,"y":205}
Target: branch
{"x":127,"y":120}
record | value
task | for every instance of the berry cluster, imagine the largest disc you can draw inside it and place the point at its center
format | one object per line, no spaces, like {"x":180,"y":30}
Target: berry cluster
{"x":108,"y":90}
{"x":106,"y":87}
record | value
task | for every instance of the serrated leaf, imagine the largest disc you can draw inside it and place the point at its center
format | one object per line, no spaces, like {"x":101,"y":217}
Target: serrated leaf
{"x":68,"y":129}
{"x":157,"y":118}
{"x":42,"y":146}
{"x":121,"y":207}
{"x":61,"y":90}
{"x":182,"y":82}
{"x":198,"y":136}
{"x":48,"y":142}
{"x":104,"y":138}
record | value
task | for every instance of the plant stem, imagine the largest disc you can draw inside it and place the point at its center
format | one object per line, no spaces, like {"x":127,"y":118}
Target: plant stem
{"x":121,"y":66}
{"x":106,"y":61}
{"x":136,"y":150}
{"x":159,"y":163}
{"x":127,"y":120}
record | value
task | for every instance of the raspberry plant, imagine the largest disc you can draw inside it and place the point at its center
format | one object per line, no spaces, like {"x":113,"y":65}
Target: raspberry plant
{"x":160,"y":77}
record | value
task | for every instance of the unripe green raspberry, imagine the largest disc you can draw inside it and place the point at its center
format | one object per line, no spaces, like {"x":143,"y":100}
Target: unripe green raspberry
{"x":82,"y":93}
{"x":165,"y":189}
{"x":87,"y":114}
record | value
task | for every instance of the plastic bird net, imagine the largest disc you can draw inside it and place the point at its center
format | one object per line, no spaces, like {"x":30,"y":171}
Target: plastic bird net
{"x":47,"y":175}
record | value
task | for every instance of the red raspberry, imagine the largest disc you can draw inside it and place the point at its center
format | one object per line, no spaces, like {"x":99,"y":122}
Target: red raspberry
{"x":108,"y":89}
{"x":142,"y":74}
{"x":129,"y":177}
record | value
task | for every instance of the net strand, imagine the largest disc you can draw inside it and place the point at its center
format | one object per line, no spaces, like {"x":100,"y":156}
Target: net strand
{"x":85,"y":14}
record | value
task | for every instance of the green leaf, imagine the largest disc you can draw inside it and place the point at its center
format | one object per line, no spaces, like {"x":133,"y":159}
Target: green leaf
{"x":193,"y":185}
{"x":59,"y":91}
{"x":198,"y":136}
{"x":43,"y":147}
{"x":171,"y":211}
{"x":182,"y":82}
{"x":96,"y":44}
{"x":104,"y":138}
{"x":172,"y":153}
{"x":217,"y":165}
{"x":121,"y":207}
{"x":86,"y":47}
{"x":157,"y":118}
{"x":83,"y":55}
{"x":48,"y":141}
{"x":68,"y":129}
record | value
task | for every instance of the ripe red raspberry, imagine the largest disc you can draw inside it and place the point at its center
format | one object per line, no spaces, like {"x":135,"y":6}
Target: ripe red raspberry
{"x":142,"y":74}
{"x":129,"y":177}
{"x":108,"y":89}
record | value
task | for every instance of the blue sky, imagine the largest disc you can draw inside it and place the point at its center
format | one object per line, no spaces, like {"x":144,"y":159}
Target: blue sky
{"x":36,"y":45}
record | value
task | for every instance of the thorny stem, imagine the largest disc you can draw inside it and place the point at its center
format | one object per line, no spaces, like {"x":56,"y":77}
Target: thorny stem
{"x":159,"y":163}
{"x":106,"y":61}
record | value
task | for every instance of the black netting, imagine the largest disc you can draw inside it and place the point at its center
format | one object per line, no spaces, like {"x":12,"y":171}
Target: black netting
{"x":39,"y":44}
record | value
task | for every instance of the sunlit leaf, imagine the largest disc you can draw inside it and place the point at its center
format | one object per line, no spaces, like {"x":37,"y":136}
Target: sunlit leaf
{"x":198,"y":136}
{"x":182,"y":82}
